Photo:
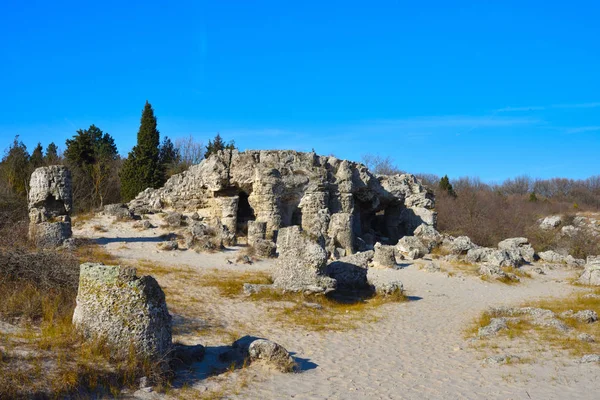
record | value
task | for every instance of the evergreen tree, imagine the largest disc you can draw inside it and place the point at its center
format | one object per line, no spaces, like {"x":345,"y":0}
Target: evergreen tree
{"x":91,"y":154}
{"x":51,"y":156}
{"x":15,"y":167}
{"x":169,"y":157}
{"x":532,"y":197}
{"x":37,"y":157}
{"x":217,"y":145}
{"x":143,"y":168}
{"x":446,"y":186}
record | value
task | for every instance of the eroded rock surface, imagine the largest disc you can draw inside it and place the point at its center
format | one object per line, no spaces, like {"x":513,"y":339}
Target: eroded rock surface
{"x":126,"y":310}
{"x":50,"y":206}
{"x":591,"y":273}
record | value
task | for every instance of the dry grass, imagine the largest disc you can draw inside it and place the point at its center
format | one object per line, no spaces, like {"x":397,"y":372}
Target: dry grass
{"x":82,"y":218}
{"x":92,"y":252}
{"x":549,"y":338}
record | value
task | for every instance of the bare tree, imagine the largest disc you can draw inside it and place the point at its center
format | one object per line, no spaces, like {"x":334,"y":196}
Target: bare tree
{"x":191,"y":152}
{"x":380,"y":165}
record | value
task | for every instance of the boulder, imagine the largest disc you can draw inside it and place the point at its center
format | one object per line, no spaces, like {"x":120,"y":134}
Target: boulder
{"x":550,"y":222}
{"x":50,"y":202}
{"x":551,"y":256}
{"x":461,"y":245}
{"x":256,"y":231}
{"x":519,"y":245}
{"x":264,"y":248}
{"x":412,"y":247}
{"x":388,"y":288}
{"x":272,"y":354}
{"x":591,"y":272}
{"x":492,"y":329}
{"x":384,"y":256}
{"x":350,"y":272}
{"x":126,"y":310}
{"x":302,"y":262}
{"x":428,"y":235}
{"x":120,"y":211}
{"x":174,"y":219}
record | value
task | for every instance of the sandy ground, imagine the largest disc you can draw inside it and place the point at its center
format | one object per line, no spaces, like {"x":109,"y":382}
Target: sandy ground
{"x":415,"y":350}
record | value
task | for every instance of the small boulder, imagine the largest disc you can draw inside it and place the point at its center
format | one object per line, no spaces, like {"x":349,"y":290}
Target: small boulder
{"x":264,"y":248}
{"x":174,"y":219}
{"x":385,"y":256}
{"x":588,"y":316}
{"x":550,"y":222}
{"x":388,"y":288}
{"x":492,"y":329}
{"x":273,"y":354}
{"x":412,"y":247}
{"x":591,"y":273}
{"x":119,"y":210}
{"x":350,"y":272}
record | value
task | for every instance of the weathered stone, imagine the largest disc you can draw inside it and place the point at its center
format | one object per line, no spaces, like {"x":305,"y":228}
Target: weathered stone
{"x":551,"y":256}
{"x":350,"y":272}
{"x":385,"y":256}
{"x":461,"y":245}
{"x":256,"y":230}
{"x":412,"y":246}
{"x":143,"y":225}
{"x":586,"y":337}
{"x":253,"y":288}
{"x":173,"y":219}
{"x":550,"y":222}
{"x":501,"y":359}
{"x":591,"y":273}
{"x":119,"y":210}
{"x":587,"y":316}
{"x":590,"y":358}
{"x":495,"y":326}
{"x":301,"y":263}
{"x":428,"y":235}
{"x":271,"y":353}
{"x":337,"y":199}
{"x":432,"y":267}
{"x":388,"y":288}
{"x":169,"y":245}
{"x":50,"y":203}
{"x":264,"y":248}
{"x":127,"y":311}
{"x":520,"y":246}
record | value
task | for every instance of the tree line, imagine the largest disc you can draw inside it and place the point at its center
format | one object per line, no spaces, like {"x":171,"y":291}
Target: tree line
{"x":100,"y":175}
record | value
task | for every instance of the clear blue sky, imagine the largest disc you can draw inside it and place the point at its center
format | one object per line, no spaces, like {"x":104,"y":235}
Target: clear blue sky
{"x":458,"y":88}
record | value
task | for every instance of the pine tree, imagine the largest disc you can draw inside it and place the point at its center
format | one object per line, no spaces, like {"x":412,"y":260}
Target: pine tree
{"x":532,"y":197}
{"x":446,"y":186}
{"x":15,"y":167}
{"x":169,"y":157}
{"x":142,"y":168}
{"x":37,"y":157}
{"x":51,"y":156}
{"x":217,"y":145}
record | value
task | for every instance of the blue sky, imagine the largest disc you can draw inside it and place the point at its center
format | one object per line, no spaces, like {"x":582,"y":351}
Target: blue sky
{"x":488,"y":89}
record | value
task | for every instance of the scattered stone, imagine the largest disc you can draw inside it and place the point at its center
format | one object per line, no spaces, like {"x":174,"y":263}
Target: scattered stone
{"x":569,"y":230}
{"x":412,"y":247}
{"x":501,"y":359}
{"x":273,"y":354}
{"x":574,"y":262}
{"x":495,"y":326}
{"x":388,"y":288}
{"x":385,"y":256}
{"x":174,"y":219}
{"x":538,"y":271}
{"x":586,"y":337}
{"x":428,"y":235}
{"x":461,"y":245}
{"x":143,"y":225}
{"x":50,"y":205}
{"x":119,"y":210}
{"x":589,"y":358}
{"x":519,"y":247}
{"x":169,"y":245}
{"x":551,"y":256}
{"x":591,"y":273}
{"x":195,"y":216}
{"x":302,"y":262}
{"x":350,"y":272}
{"x":550,"y":222}
{"x":588,"y":316}
{"x":316,"y":306}
{"x":113,"y":303}
{"x":264,"y":248}
{"x":253,"y":288}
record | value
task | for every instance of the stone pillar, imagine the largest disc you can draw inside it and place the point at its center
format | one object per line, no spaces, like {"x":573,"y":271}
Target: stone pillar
{"x":50,"y":206}
{"x":256,"y":230}
{"x":229,"y":208}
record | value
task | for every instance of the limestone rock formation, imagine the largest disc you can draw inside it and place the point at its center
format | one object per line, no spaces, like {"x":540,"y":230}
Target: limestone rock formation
{"x":50,"y":206}
{"x":350,"y":272}
{"x":340,"y":200}
{"x":113,"y":303}
{"x":385,"y":256}
{"x":521,"y":246}
{"x":271,"y":353}
{"x":301,"y":263}
{"x":591,"y":273}
{"x":119,"y":211}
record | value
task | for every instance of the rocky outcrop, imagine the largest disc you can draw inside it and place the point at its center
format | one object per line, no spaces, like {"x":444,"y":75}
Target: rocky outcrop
{"x":591,"y":273}
{"x":50,"y":206}
{"x":550,"y":222}
{"x":301,"y":263}
{"x":119,"y":210}
{"x":340,"y":200}
{"x":412,"y":247}
{"x":518,"y":246}
{"x":350,"y":272}
{"x":127,"y":311}
{"x":256,"y":231}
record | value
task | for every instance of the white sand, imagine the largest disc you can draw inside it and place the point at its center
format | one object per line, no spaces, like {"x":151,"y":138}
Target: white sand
{"x":416,"y":350}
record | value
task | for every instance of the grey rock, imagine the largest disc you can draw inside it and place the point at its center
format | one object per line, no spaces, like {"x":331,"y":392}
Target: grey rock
{"x":500,"y":359}
{"x":143,"y":225}
{"x":591,"y":272}
{"x":551,"y":256}
{"x":588,"y":316}
{"x":350,"y":272}
{"x":195,"y":216}
{"x":253,"y":288}
{"x":50,"y":202}
{"x":302,"y":262}
{"x":174,"y":219}
{"x":273,"y":354}
{"x":119,"y":211}
{"x":569,"y":230}
{"x":169,"y":245}
{"x":519,"y":246}
{"x":113,"y":303}
{"x":264,"y":248}
{"x":461,"y":245}
{"x":432,"y":267}
{"x":550,"y":222}
{"x":388,"y":288}
{"x":412,"y":246}
{"x":590,"y":358}
{"x":586,"y":337}
{"x":495,"y":326}
{"x":256,"y":231}
{"x":385,"y":256}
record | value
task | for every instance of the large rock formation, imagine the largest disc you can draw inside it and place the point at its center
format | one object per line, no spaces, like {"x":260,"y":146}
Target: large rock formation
{"x":301,"y":263}
{"x":591,"y":273}
{"x":127,"y":311}
{"x":337,"y":199}
{"x":50,"y":205}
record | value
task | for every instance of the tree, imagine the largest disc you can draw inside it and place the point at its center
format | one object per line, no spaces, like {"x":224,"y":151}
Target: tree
{"x":15,"y":167}
{"x":92,"y":156}
{"x":143,"y":168}
{"x":51,"y":156}
{"x":217,"y":145}
{"x":380,"y":165}
{"x":190,"y":151}
{"x":446,"y":186}
{"x":169,"y":157}
{"x":37,"y":157}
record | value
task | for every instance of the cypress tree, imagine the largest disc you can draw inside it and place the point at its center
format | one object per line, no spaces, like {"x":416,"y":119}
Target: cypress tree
{"x":446,"y":186}
{"x":37,"y":157}
{"x":217,"y":145}
{"x":142,"y":168}
{"x":51,"y":156}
